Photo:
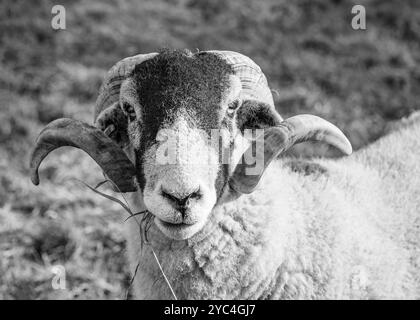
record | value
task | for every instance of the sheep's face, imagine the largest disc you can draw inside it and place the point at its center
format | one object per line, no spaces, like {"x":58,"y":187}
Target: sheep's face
{"x":181,"y":120}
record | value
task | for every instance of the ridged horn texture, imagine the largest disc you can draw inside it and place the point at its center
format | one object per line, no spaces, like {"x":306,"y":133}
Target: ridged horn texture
{"x":279,"y":139}
{"x":107,"y":154}
{"x":110,"y":89}
{"x":253,"y":80}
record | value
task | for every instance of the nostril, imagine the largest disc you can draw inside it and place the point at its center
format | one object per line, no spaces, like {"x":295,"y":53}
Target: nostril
{"x":196,"y":194}
{"x":181,"y":202}
{"x":169,"y":196}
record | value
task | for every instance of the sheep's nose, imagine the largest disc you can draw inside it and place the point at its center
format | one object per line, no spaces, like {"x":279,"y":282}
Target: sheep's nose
{"x":181,"y":203}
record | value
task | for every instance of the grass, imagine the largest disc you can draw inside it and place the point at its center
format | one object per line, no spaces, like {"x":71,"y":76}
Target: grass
{"x":315,"y":62}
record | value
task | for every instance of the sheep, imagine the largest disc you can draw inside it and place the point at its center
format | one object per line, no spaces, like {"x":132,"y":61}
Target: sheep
{"x":293,"y":229}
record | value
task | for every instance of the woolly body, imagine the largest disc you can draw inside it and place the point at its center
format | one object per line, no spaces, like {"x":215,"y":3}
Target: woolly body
{"x":350,"y":231}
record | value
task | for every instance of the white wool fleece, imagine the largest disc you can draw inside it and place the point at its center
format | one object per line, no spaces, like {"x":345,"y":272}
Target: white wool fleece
{"x":351,"y":232}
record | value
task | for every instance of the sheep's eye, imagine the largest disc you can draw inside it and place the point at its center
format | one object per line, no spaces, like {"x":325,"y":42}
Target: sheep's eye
{"x":233,"y":106}
{"x":129,"y":110}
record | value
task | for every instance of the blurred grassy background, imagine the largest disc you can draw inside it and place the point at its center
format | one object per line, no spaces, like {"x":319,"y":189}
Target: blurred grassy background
{"x":359,"y":80}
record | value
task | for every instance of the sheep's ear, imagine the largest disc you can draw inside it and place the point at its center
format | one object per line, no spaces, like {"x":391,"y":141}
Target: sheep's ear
{"x":254,"y":114}
{"x":113,"y":122}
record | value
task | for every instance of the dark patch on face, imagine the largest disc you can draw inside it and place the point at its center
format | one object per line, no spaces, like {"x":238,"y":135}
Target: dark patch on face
{"x":176,"y":83}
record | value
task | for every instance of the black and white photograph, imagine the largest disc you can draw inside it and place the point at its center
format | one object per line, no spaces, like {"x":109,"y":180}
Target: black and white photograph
{"x":234,"y":150}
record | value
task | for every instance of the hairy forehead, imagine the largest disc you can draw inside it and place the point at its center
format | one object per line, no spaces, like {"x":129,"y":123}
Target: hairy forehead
{"x":177,"y":82}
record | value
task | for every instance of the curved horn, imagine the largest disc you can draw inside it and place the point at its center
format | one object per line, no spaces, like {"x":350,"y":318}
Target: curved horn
{"x":278,"y":139}
{"x":254,"y":82}
{"x":110,"y":89}
{"x":106,"y":153}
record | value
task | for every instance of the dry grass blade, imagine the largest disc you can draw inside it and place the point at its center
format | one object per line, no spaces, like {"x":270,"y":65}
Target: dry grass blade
{"x":144,"y":226}
{"x":135,"y":214}
{"x":164,"y":275}
{"x":132,"y":280}
{"x":106,"y":195}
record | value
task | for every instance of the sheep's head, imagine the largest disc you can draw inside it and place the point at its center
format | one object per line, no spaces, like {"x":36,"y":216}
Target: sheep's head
{"x":176,"y":103}
{"x":171,"y":126}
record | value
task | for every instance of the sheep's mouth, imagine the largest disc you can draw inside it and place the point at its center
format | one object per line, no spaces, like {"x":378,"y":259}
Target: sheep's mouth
{"x":174,"y":225}
{"x":177,"y":231}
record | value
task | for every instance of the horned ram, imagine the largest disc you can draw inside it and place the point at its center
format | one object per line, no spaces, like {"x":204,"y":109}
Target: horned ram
{"x":233,"y":218}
